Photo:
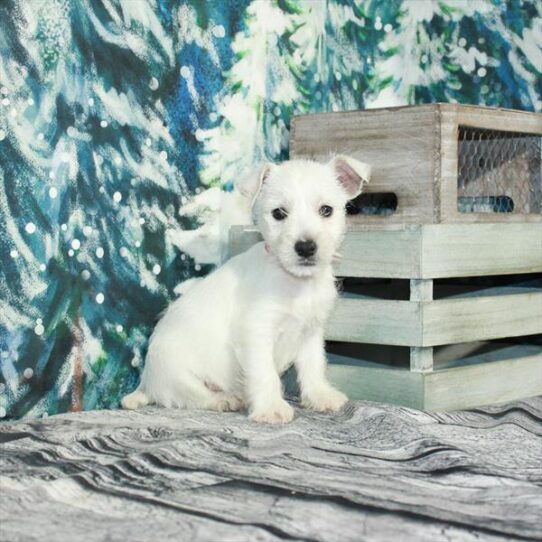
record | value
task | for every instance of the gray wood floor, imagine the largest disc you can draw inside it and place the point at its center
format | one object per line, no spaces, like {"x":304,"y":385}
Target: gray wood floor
{"x":370,"y":472}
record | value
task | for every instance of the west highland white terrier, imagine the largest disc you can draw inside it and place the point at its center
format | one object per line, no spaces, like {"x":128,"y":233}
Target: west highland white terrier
{"x":224,"y":344}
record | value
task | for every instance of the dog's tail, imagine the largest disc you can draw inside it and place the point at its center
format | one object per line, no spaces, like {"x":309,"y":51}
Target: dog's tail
{"x":136,"y":399}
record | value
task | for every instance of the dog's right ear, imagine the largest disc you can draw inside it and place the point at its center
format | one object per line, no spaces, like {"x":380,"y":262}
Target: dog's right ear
{"x":251,"y":185}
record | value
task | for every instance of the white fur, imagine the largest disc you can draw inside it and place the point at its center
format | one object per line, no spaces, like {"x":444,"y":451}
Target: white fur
{"x":227,"y":340}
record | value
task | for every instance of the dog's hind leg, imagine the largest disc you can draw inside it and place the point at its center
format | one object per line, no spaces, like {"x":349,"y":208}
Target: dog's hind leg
{"x":136,"y":399}
{"x":186,"y":390}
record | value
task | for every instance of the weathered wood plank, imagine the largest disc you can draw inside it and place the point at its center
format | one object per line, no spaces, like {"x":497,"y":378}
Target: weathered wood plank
{"x":431,"y":250}
{"x":484,"y":380}
{"x":408,"y":144}
{"x":361,"y":379}
{"x":494,"y":377}
{"x":462,"y":250}
{"x":371,"y":469}
{"x":380,"y":321}
{"x":474,"y":318}
{"x":444,"y":321}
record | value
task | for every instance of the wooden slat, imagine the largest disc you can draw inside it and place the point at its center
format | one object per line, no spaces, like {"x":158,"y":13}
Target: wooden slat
{"x":401,"y":152}
{"x":364,"y":319}
{"x":429,"y":251}
{"x":463,"y":250}
{"x":483,"y":380}
{"x":509,"y":374}
{"x":373,"y":382}
{"x":448,"y":321}
{"x":378,"y":321}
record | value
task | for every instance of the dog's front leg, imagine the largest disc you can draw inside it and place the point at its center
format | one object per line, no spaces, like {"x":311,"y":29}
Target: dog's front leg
{"x":316,"y":392}
{"x":263,"y":385}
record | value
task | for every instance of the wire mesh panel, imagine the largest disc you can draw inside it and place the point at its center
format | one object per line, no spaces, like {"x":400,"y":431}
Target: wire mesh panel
{"x":499,"y":172}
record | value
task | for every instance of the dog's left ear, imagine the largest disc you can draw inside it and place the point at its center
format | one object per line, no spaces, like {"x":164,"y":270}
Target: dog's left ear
{"x":351,"y":173}
{"x":251,"y":185}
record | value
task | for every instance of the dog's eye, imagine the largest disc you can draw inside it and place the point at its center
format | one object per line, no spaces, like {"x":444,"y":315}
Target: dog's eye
{"x":326,"y":210}
{"x":279,"y":214}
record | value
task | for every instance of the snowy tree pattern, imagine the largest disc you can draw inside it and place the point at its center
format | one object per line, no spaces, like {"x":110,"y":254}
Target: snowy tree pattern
{"x":125,"y":123}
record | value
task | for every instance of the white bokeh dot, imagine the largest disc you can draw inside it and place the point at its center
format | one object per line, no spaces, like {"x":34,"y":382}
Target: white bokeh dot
{"x":43,"y":267}
{"x":53,"y":192}
{"x":123,"y":252}
{"x":30,"y":227}
{"x":90,"y":102}
{"x":156,"y":269}
{"x":63,"y":227}
{"x":13,"y":253}
{"x":153,"y":83}
{"x":482,"y":72}
{"x":39,"y":330}
{"x":85,"y":274}
{"x":28,"y":373}
{"x":100,"y":252}
{"x":76,"y":244}
{"x":3,"y":412}
{"x":2,"y":135}
{"x":142,"y":221}
{"x":6,"y":102}
{"x":71,"y":131}
{"x":103,"y":123}
{"x":462,"y":42}
{"x":388,"y":28}
{"x":197,"y":267}
{"x":148,"y":142}
{"x":163,"y":155}
{"x":41,"y":136}
{"x":87,"y":230}
{"x":119,"y":329}
{"x":117,"y":196}
{"x":218,"y":31}
{"x":138,"y":244}
{"x":39,"y":321}
{"x":185,"y":71}
{"x":100,"y":298}
{"x":71,"y":253}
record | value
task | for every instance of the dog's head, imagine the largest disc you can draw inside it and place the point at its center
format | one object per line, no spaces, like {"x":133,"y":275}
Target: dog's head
{"x":299,"y":207}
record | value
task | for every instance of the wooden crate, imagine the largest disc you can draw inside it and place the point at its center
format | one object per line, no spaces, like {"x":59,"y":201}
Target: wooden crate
{"x":437,"y":163}
{"x":455,"y":354}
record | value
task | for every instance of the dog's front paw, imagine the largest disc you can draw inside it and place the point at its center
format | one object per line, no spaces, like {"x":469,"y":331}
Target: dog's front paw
{"x":325,"y":399}
{"x":276,"y":412}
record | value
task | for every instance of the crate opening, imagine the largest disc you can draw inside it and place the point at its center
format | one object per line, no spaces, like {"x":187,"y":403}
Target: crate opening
{"x":399,"y":289}
{"x":499,"y":171}
{"x":444,"y":357}
{"x":373,"y":203}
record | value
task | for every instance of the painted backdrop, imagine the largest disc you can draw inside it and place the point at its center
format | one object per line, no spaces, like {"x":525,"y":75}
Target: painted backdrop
{"x":115,"y":113}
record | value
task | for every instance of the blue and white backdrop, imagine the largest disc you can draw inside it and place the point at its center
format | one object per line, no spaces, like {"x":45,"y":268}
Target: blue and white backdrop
{"x":114,"y":114}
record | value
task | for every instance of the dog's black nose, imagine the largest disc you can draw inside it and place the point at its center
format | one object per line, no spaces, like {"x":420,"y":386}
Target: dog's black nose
{"x":305,"y":249}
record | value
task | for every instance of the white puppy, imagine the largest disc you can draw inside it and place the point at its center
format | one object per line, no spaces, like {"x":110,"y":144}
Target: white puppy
{"x":227,"y":340}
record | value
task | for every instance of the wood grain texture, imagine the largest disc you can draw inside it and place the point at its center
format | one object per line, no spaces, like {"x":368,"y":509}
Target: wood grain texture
{"x":414,"y":154}
{"x":430,"y":250}
{"x":371,"y":473}
{"x":364,"y":319}
{"x":505,"y":374}
{"x":399,"y":143}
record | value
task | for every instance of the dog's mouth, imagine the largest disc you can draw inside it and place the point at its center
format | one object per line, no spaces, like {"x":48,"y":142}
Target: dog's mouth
{"x":306,"y":263}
